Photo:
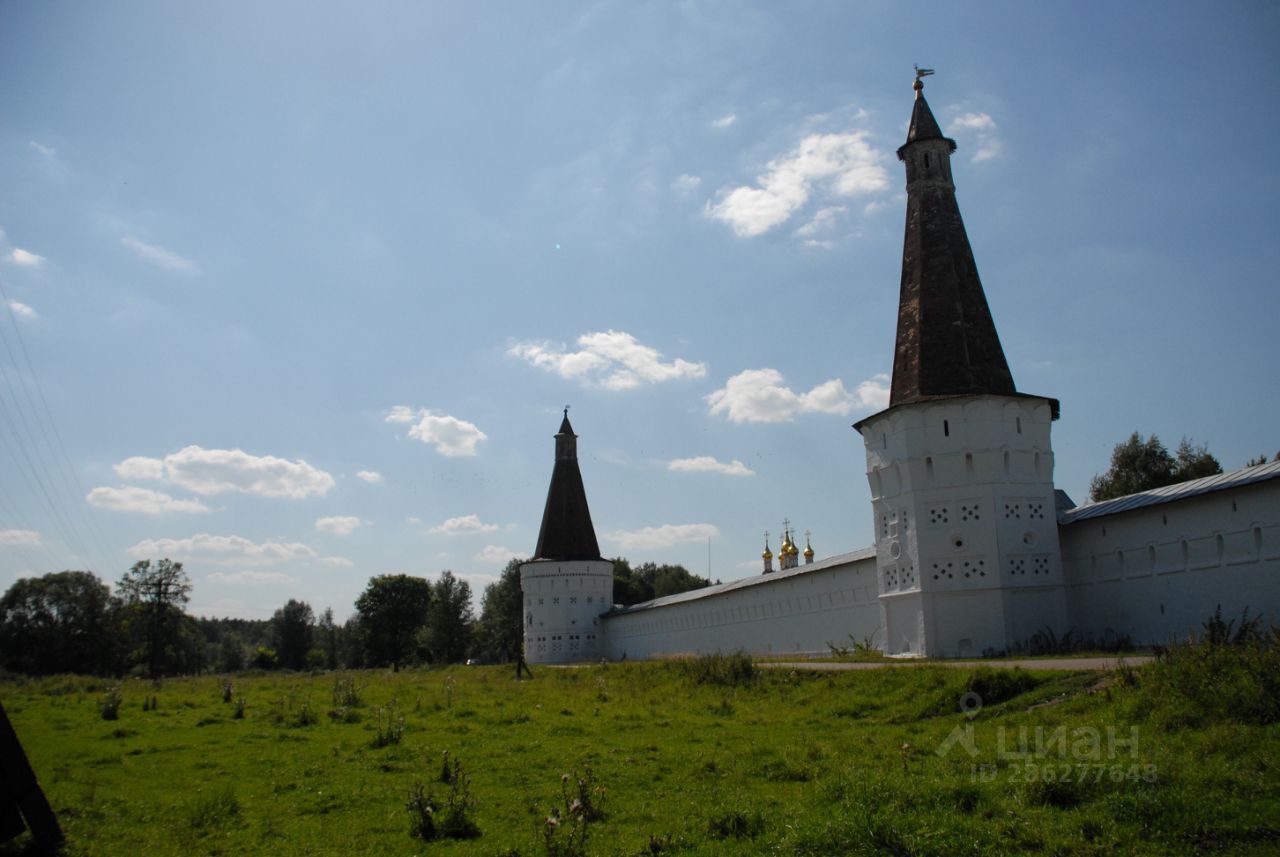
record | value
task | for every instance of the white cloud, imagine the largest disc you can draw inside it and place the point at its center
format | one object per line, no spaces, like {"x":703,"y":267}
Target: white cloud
{"x":214,"y":471}
{"x":337,"y":561}
{"x":758,"y":396}
{"x":987,"y":150}
{"x":140,"y":467}
{"x":686,"y":183}
{"x":614,"y":360}
{"x":25,"y":258}
{"x":225,"y":549}
{"x":496,"y":555}
{"x":707,"y":464}
{"x":465,"y":524}
{"x":452,"y":437}
{"x":45,"y":151}
{"x":724,"y":121}
{"x":984,"y":132}
{"x":21,"y":310}
{"x":19,"y":538}
{"x":665,"y":536}
{"x":413,"y":519}
{"x":973,"y":122}
{"x":158,"y":256}
{"x":339,"y":525}
{"x":400,"y":414}
{"x":128,"y":498}
{"x":373,"y":477}
{"x":251,"y":578}
{"x":846,"y":162}
{"x":822,"y":222}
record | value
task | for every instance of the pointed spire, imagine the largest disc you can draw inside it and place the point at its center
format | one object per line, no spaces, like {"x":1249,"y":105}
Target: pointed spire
{"x":567,"y":532}
{"x":923,"y":125}
{"x":947,"y":343}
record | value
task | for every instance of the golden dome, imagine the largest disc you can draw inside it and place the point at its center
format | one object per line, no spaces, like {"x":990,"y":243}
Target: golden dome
{"x":808,"y":551}
{"x":768,"y":554}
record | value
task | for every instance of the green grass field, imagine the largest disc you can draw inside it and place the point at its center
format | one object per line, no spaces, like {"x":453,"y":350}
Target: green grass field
{"x":684,"y":759}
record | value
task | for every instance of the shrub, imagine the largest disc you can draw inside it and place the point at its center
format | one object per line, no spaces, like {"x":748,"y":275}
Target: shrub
{"x":390,"y":725}
{"x":238,"y":714}
{"x":228,"y":692}
{"x":564,"y":831}
{"x":733,"y":670}
{"x":109,"y":704}
{"x":345,"y":692}
{"x":1228,"y":673}
{"x":428,"y":820}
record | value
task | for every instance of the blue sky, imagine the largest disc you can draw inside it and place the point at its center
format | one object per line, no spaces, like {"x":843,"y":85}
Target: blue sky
{"x":294,"y":292}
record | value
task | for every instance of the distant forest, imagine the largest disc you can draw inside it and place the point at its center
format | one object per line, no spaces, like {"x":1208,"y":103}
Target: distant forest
{"x":73,"y":622}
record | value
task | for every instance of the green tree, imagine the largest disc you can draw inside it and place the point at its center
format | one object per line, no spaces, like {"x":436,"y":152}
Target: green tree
{"x":1140,"y":464}
{"x":392,"y":609}
{"x":649,"y":581}
{"x":153,"y":598}
{"x":500,"y":630}
{"x":447,"y":634}
{"x":292,"y":632}
{"x":1261,"y":459}
{"x":1194,"y":462}
{"x":327,"y":634}
{"x":61,"y":622}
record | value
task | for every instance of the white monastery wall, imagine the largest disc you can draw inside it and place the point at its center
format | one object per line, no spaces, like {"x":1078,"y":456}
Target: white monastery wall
{"x":798,"y":611}
{"x":1158,"y":572}
{"x":563,"y":600}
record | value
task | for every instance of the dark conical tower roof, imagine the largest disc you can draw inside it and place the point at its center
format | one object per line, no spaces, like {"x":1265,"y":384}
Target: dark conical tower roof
{"x":923,"y":125}
{"x":566,"y":532}
{"x":947,"y":343}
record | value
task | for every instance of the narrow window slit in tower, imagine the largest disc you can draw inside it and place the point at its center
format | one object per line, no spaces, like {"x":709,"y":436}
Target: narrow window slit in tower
{"x":946,"y":428}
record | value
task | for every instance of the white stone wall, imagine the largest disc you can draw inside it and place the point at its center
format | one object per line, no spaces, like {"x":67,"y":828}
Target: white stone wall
{"x":1160,"y":571}
{"x":797,"y":612}
{"x":966,"y":536}
{"x":563,"y":601}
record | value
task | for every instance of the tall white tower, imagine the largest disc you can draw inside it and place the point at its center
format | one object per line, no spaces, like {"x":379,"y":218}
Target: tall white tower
{"x":567,"y":584}
{"x":960,"y":464}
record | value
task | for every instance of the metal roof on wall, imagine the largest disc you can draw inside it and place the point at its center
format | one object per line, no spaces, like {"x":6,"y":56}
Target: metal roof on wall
{"x":734,"y":585}
{"x":1171,"y":493}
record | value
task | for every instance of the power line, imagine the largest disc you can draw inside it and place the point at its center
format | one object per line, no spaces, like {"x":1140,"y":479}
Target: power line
{"x":66,"y":471}
{"x":35,"y":472}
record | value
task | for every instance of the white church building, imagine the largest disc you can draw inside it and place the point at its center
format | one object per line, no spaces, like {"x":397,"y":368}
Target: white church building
{"x":974,"y":550}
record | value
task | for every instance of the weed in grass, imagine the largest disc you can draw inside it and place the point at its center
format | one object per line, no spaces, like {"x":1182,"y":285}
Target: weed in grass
{"x":213,"y":809}
{"x":428,"y":820}
{"x":390,"y":725}
{"x":450,"y":684}
{"x":736,"y":824}
{"x":238,"y":713}
{"x":724,"y":708}
{"x":345,"y":692}
{"x":109,"y":704}
{"x":228,"y":691}
{"x":734,"y":670}
{"x":344,"y":714}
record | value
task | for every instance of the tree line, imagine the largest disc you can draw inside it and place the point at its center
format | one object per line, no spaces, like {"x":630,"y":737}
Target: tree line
{"x":73,"y":622}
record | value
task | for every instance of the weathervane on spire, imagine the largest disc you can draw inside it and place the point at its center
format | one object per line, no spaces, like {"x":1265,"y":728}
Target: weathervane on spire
{"x":921,"y":74}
